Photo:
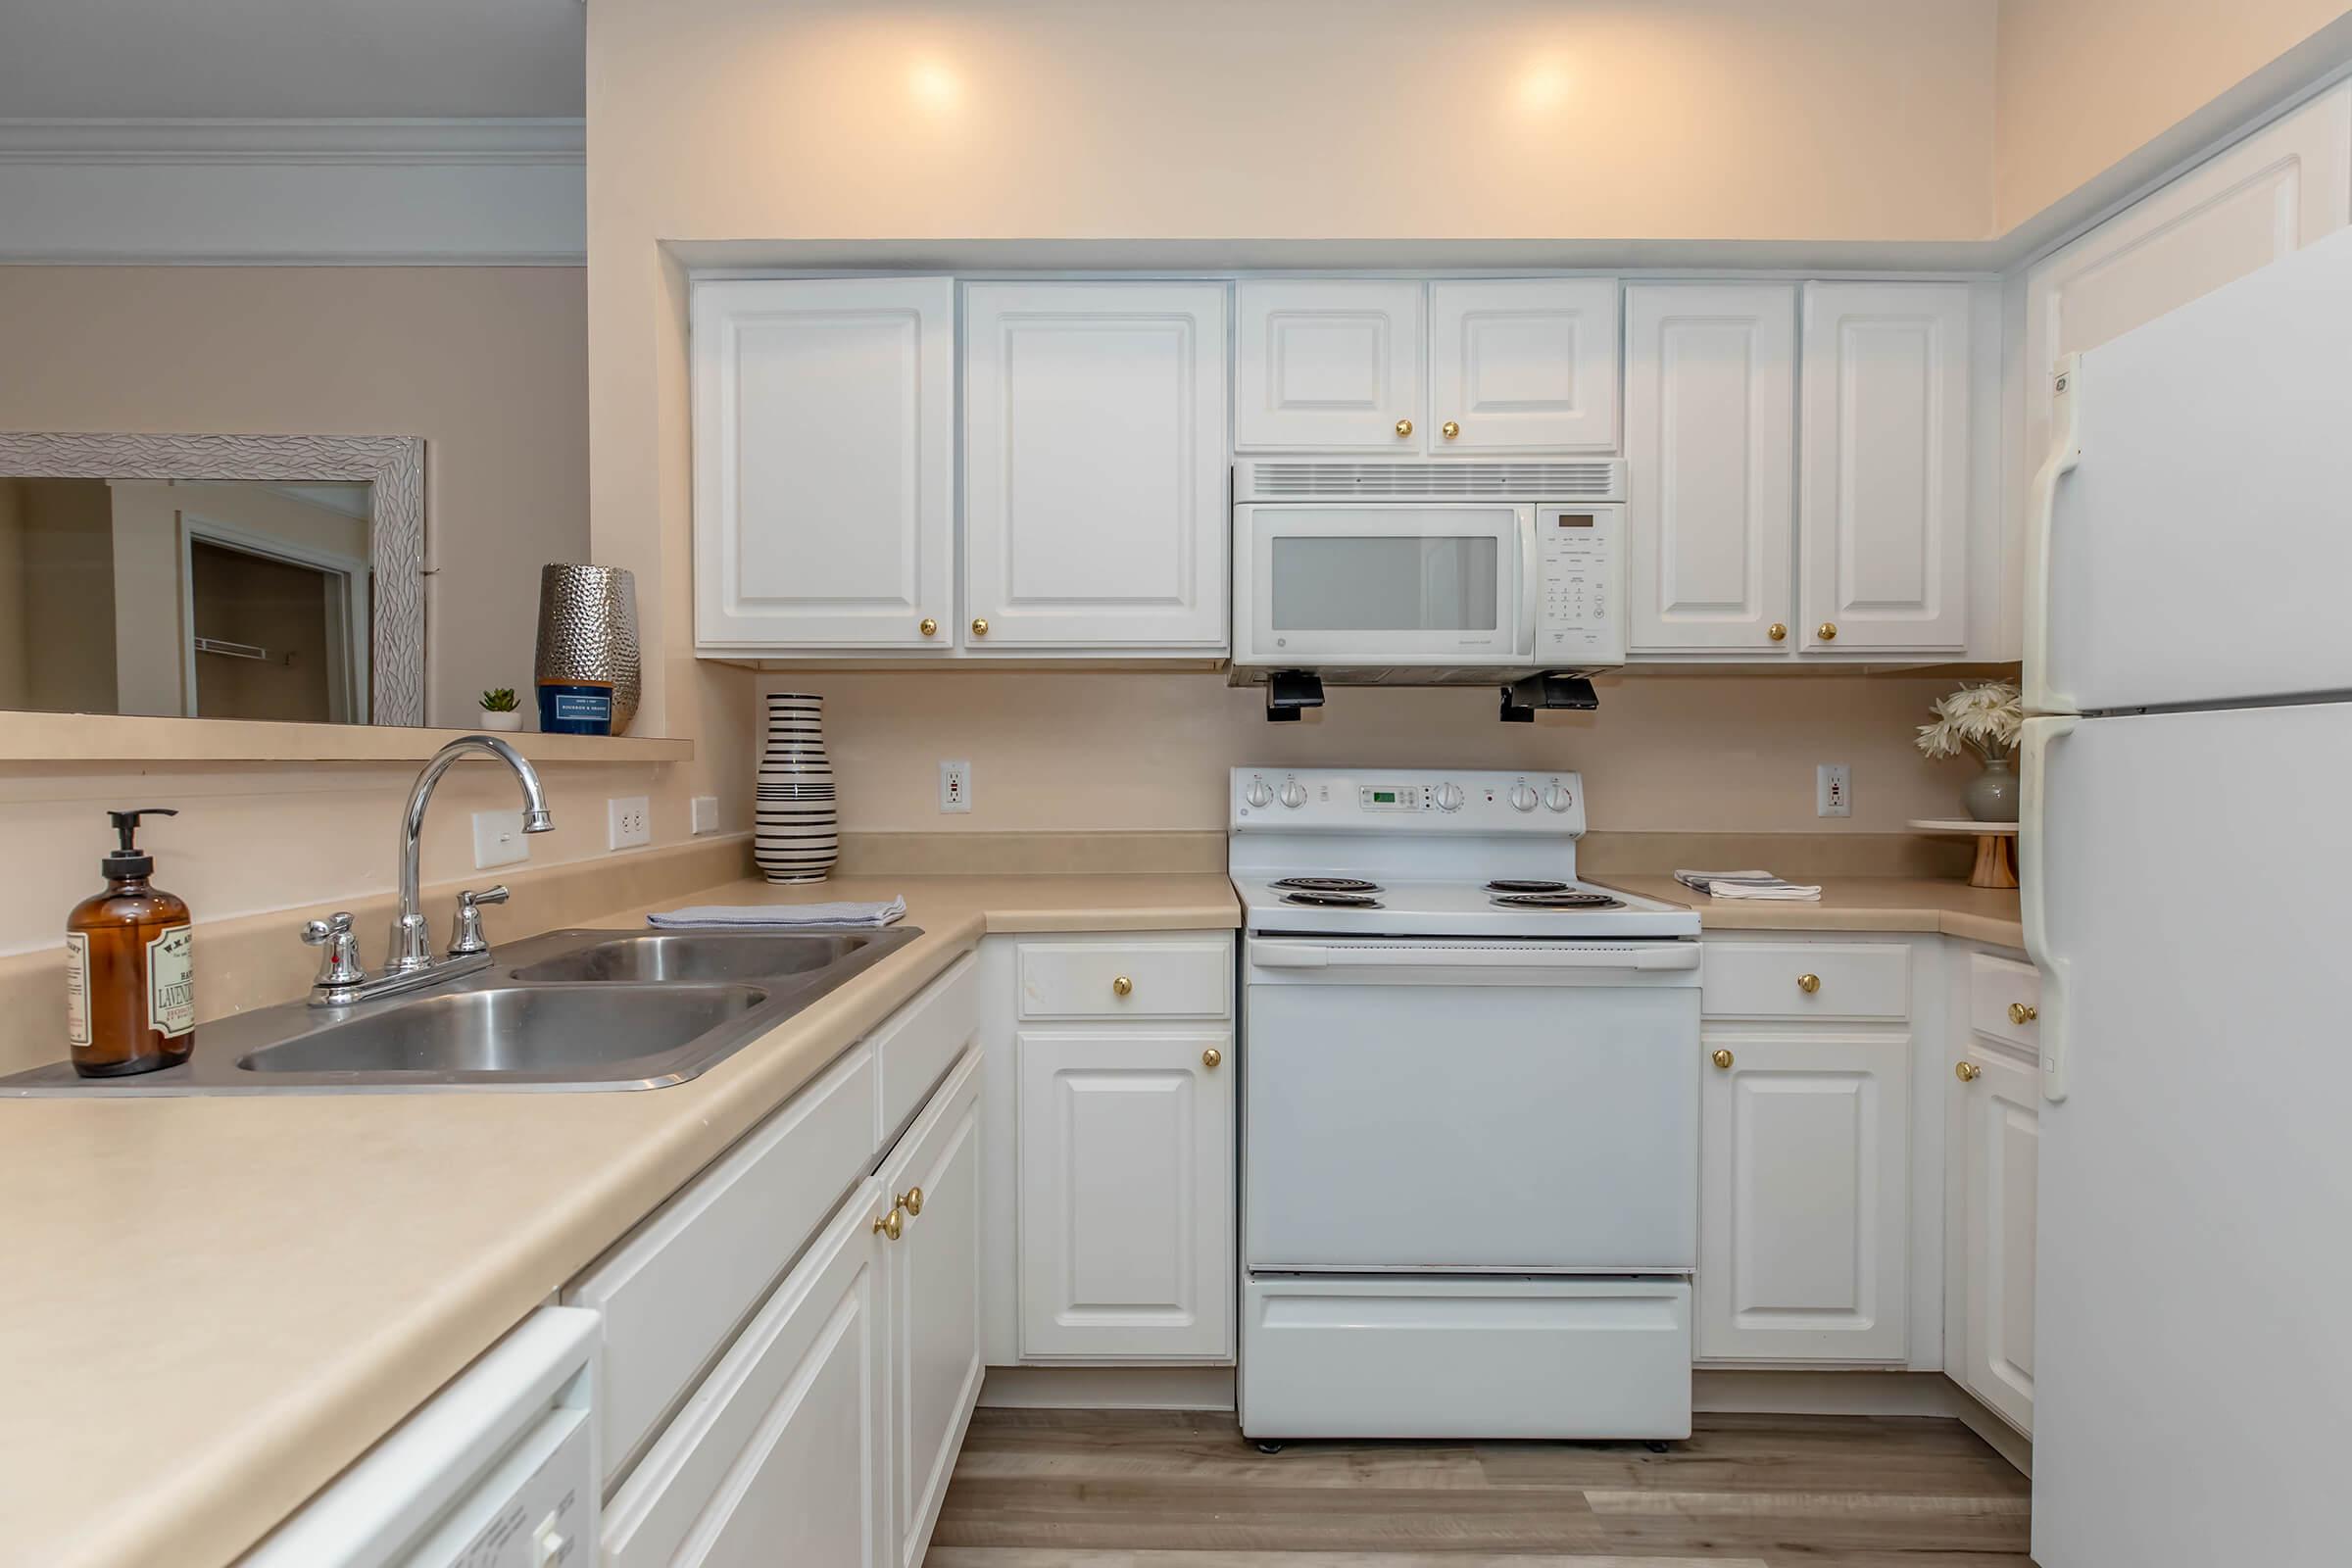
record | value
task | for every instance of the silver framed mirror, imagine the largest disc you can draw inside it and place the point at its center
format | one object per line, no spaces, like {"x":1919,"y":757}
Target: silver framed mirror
{"x":380,"y":626}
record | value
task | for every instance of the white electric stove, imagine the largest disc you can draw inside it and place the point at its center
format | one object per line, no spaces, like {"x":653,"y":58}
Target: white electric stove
{"x":1470,"y":1116}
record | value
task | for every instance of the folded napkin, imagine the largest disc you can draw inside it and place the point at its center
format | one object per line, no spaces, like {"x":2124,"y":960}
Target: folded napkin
{"x":1744,"y":885}
{"x":776,"y":917}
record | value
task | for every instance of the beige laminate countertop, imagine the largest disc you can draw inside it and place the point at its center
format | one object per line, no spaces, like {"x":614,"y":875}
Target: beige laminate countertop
{"x":1916,"y":905}
{"x":209,"y":1306}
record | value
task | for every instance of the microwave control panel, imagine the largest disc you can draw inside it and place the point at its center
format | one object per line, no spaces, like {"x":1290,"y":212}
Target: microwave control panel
{"x":1580,"y":592}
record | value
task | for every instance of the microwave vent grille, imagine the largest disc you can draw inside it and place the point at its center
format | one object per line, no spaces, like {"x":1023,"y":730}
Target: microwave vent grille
{"x":1310,"y":479}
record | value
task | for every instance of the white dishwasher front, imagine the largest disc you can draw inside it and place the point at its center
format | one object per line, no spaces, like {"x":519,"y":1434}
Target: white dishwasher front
{"x":497,"y":1470}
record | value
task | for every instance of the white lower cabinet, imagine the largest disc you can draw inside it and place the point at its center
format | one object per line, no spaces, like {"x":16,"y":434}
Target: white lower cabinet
{"x":932,"y":1276}
{"x":1126,"y":1203}
{"x":779,"y":1455}
{"x":1995,"y":1164}
{"x":1804,"y":1223}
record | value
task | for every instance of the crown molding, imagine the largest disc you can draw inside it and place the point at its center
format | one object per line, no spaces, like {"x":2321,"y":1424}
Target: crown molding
{"x":294,"y":192}
{"x":294,"y":141}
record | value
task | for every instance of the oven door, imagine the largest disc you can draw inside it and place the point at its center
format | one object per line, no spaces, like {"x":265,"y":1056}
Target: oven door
{"x":1471,"y":1106}
{"x":1339,"y":584}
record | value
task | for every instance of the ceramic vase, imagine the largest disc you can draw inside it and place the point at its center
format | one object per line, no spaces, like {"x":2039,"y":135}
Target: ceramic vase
{"x":797,"y":837}
{"x":1991,"y":796}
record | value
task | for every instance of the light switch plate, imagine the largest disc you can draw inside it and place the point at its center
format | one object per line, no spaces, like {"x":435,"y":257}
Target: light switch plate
{"x":630,"y":818}
{"x":499,"y":838}
{"x":705,"y":814}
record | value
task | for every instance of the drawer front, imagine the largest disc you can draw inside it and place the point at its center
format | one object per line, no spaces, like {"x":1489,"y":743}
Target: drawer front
{"x":922,"y":1040}
{"x":672,"y":1292}
{"x":1808,"y":980}
{"x":2004,"y":999}
{"x":1189,"y":978}
{"x":1344,"y":1357}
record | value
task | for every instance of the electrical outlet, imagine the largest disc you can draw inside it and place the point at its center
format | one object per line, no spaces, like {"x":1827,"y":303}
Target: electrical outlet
{"x":954,"y":786}
{"x":630,"y":821}
{"x":498,"y":839}
{"x":1833,"y":790}
{"x":705,"y":814}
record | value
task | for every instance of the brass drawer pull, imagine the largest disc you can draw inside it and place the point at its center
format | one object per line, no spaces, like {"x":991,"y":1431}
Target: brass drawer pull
{"x":1808,"y":983}
{"x":912,"y":1201}
{"x":2023,"y":1012}
{"x":1723,"y":1059}
{"x":1966,"y":1073}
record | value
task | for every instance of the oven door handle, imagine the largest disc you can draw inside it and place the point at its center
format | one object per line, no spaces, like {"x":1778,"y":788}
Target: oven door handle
{"x":1269,"y":955}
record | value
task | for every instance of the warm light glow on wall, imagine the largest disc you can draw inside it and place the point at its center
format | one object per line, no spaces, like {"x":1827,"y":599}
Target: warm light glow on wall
{"x":1543,"y":87}
{"x":935,"y":86}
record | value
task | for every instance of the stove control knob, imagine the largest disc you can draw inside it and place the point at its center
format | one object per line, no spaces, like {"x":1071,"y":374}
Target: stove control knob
{"x":1449,"y":797}
{"x":1558,"y":797}
{"x":1293,"y":794}
{"x":1259,"y":794}
{"x":1522,"y":797}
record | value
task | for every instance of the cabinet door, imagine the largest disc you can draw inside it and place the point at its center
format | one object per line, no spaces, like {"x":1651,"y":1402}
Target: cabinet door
{"x":1998,"y":1158}
{"x":2277,"y":191}
{"x":1328,"y":364}
{"x":1126,"y":1196}
{"x":778,"y":1454}
{"x":1803,"y":1198}
{"x":1095,"y":507}
{"x":1883,"y":510}
{"x":824,"y":452}
{"x":933,"y":1178}
{"x":1710,"y":421}
{"x":1523,"y":364}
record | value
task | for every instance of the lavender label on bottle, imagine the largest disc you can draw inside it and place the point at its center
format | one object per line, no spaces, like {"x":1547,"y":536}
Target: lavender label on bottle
{"x":171,"y":982}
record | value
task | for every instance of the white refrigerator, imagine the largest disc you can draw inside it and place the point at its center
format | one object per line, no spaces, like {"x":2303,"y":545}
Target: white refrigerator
{"x":2186,"y":850}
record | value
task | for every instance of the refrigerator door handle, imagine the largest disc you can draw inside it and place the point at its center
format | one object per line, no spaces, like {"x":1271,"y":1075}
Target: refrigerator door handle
{"x":2033,"y":889}
{"x":2066,"y":450}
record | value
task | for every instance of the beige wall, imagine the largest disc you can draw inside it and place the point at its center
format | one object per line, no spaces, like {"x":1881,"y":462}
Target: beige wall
{"x":488,"y":364}
{"x":68,"y":601}
{"x":2083,"y":83}
{"x":1126,"y":751}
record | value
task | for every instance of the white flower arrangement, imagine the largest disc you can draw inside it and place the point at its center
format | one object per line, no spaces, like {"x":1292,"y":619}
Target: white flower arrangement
{"x":1984,"y":719}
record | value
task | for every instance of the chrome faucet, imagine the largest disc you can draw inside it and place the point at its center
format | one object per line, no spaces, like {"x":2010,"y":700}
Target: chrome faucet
{"x":411,"y":962}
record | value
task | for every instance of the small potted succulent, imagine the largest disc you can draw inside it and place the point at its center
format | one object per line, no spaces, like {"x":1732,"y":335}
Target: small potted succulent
{"x":1982,"y":719}
{"x":499,"y":710}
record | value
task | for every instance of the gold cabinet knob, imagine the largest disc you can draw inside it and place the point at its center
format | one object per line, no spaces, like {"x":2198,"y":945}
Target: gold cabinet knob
{"x":1212,"y":1058}
{"x":891,"y":1225}
{"x":1828,"y":632}
{"x":1404,"y":428}
{"x":979,"y":625}
{"x":1967,"y":1071}
{"x":1808,"y":983}
{"x":929,"y":627}
{"x":1723,"y":1059}
{"x":1123,"y":987}
{"x":912,"y":1201}
{"x":1777,"y":631}
{"x":2023,"y":1012}
{"x":1449,"y":429}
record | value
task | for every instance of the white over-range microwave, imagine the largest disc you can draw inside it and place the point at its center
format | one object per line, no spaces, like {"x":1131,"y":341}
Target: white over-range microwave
{"x":1427,"y":572}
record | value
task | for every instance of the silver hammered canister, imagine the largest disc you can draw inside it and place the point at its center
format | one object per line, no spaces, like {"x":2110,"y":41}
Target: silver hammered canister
{"x":588,"y":633}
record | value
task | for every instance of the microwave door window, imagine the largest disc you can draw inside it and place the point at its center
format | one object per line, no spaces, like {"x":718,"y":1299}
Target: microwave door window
{"x":1385,"y":583}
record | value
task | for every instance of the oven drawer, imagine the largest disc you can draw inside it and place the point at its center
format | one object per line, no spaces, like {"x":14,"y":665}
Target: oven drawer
{"x":1351,"y":1357}
{"x":1184,"y":978}
{"x":1808,"y":980}
{"x":2004,"y":999}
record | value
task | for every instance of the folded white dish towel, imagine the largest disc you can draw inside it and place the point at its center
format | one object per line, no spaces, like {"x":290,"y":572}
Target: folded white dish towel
{"x":778,"y":917}
{"x":1744,"y":885}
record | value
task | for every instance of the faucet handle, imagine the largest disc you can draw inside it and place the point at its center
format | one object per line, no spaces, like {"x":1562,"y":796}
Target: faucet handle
{"x":467,"y":939}
{"x":341,"y":966}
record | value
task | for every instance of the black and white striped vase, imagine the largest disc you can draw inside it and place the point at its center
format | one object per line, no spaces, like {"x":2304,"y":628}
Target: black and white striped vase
{"x":797,"y":837}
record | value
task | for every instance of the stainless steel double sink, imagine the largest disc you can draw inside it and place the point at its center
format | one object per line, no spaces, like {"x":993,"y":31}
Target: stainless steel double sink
{"x":569,"y":1010}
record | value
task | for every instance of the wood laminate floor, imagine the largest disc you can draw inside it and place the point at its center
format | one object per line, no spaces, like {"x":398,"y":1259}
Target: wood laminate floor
{"x":1103,"y":1489}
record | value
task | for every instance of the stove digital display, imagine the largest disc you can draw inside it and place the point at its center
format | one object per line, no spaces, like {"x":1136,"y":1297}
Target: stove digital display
{"x":1384,"y":797}
{"x":1387,"y":798}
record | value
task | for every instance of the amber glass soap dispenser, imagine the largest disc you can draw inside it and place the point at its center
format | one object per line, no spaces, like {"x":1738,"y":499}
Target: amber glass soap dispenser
{"x":130,"y":993}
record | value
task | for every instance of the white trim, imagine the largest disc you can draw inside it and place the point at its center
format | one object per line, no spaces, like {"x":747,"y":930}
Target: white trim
{"x":294,"y":192}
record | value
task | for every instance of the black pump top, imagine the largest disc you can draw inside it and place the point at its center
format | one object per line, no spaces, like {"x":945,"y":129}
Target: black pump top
{"x":129,"y":860}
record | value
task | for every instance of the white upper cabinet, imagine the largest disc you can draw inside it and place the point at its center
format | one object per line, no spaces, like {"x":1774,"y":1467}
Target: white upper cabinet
{"x":1522,"y":364}
{"x":1328,"y":364}
{"x":1710,"y":416}
{"x":1883,"y":474}
{"x":1095,"y":467}
{"x":2277,"y":191}
{"x":824,"y":462}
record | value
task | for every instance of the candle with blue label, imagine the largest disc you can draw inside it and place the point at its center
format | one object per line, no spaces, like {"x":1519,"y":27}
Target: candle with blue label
{"x":576,"y":708}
